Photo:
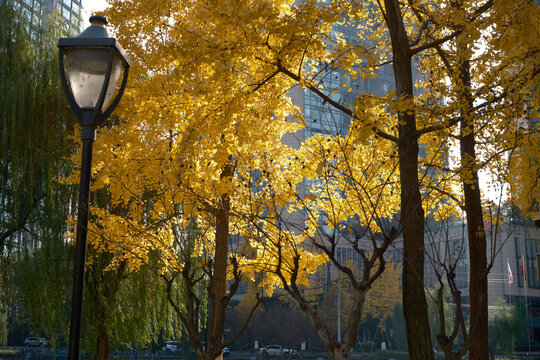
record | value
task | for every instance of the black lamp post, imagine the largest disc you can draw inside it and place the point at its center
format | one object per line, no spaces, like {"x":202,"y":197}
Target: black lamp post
{"x":94,"y":63}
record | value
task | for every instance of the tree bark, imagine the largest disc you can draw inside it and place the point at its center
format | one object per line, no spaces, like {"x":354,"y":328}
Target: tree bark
{"x":336,"y":349}
{"x":412,"y":213}
{"x":478,"y":348}
{"x":219,"y":279}
{"x":102,"y":346}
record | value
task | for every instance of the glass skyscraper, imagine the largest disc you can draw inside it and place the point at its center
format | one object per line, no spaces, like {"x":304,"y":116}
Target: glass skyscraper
{"x":37,"y":12}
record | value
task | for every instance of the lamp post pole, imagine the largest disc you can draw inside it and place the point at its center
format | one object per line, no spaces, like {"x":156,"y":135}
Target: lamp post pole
{"x":94,"y":62}
{"x":87,"y":137}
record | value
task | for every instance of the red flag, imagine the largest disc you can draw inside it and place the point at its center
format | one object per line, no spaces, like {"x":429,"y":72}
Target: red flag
{"x":523,"y":268}
{"x":510,"y":276}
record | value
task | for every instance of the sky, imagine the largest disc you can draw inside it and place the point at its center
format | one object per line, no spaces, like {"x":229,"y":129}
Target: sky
{"x":89,"y":6}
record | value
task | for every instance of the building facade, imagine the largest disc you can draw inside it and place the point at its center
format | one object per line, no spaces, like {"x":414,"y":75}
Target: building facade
{"x":37,"y":12}
{"x":515,"y":275}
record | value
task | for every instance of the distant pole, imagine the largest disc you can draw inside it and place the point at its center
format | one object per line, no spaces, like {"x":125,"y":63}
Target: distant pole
{"x":388,"y":337}
{"x":510,"y":294}
{"x":526,"y":302}
{"x":339,"y":307}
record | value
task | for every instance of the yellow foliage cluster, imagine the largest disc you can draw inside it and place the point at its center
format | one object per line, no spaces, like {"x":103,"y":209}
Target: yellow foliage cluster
{"x":384,"y":294}
{"x":208,"y":90}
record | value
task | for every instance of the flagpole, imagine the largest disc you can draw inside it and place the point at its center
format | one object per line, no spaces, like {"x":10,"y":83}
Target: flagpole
{"x":510,"y":293}
{"x":526,"y":302}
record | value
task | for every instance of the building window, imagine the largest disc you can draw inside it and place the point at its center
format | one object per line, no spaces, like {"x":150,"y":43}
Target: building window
{"x":37,"y":13}
{"x":518,"y":261}
{"x":66,"y":13}
{"x":26,"y":14}
{"x":535,"y":307}
{"x":532,"y":248}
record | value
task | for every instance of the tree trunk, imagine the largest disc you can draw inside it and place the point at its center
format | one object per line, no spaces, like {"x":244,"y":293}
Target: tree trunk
{"x":412,"y":213}
{"x":102,"y":346}
{"x":478,"y":348}
{"x":338,"y":354}
{"x":219,"y":280}
{"x":337,"y":350}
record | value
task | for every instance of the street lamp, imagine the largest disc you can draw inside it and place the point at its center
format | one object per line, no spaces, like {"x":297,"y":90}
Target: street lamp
{"x":94,"y":63}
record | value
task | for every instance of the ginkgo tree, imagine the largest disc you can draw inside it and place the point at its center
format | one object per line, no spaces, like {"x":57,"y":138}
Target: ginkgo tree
{"x":197,"y":124}
{"x":489,"y":100}
{"x":340,"y":200}
{"x":179,"y":192}
{"x":380,"y":300}
{"x":202,"y":120}
{"x":206,"y":113}
{"x":501,"y":90}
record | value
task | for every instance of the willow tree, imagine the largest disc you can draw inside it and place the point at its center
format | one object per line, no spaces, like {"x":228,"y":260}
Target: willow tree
{"x":35,"y":128}
{"x":123,"y":309}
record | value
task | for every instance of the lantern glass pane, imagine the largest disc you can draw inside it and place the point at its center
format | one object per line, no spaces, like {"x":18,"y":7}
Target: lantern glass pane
{"x":86,"y":68}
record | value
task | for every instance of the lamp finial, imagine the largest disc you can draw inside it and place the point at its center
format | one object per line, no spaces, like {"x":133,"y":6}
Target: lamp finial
{"x":98,"y":20}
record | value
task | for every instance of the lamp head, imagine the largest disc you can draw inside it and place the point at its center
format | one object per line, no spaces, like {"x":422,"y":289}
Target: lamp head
{"x":93,"y":62}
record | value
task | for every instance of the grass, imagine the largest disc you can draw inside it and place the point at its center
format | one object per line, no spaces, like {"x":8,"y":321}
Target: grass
{"x":382,"y":355}
{"x":10,"y":352}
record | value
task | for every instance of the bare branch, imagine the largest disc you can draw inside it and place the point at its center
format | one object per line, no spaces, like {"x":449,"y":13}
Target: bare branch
{"x":420,"y":48}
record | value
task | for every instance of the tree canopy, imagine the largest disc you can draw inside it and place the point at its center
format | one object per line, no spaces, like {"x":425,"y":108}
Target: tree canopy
{"x":199,"y":137}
